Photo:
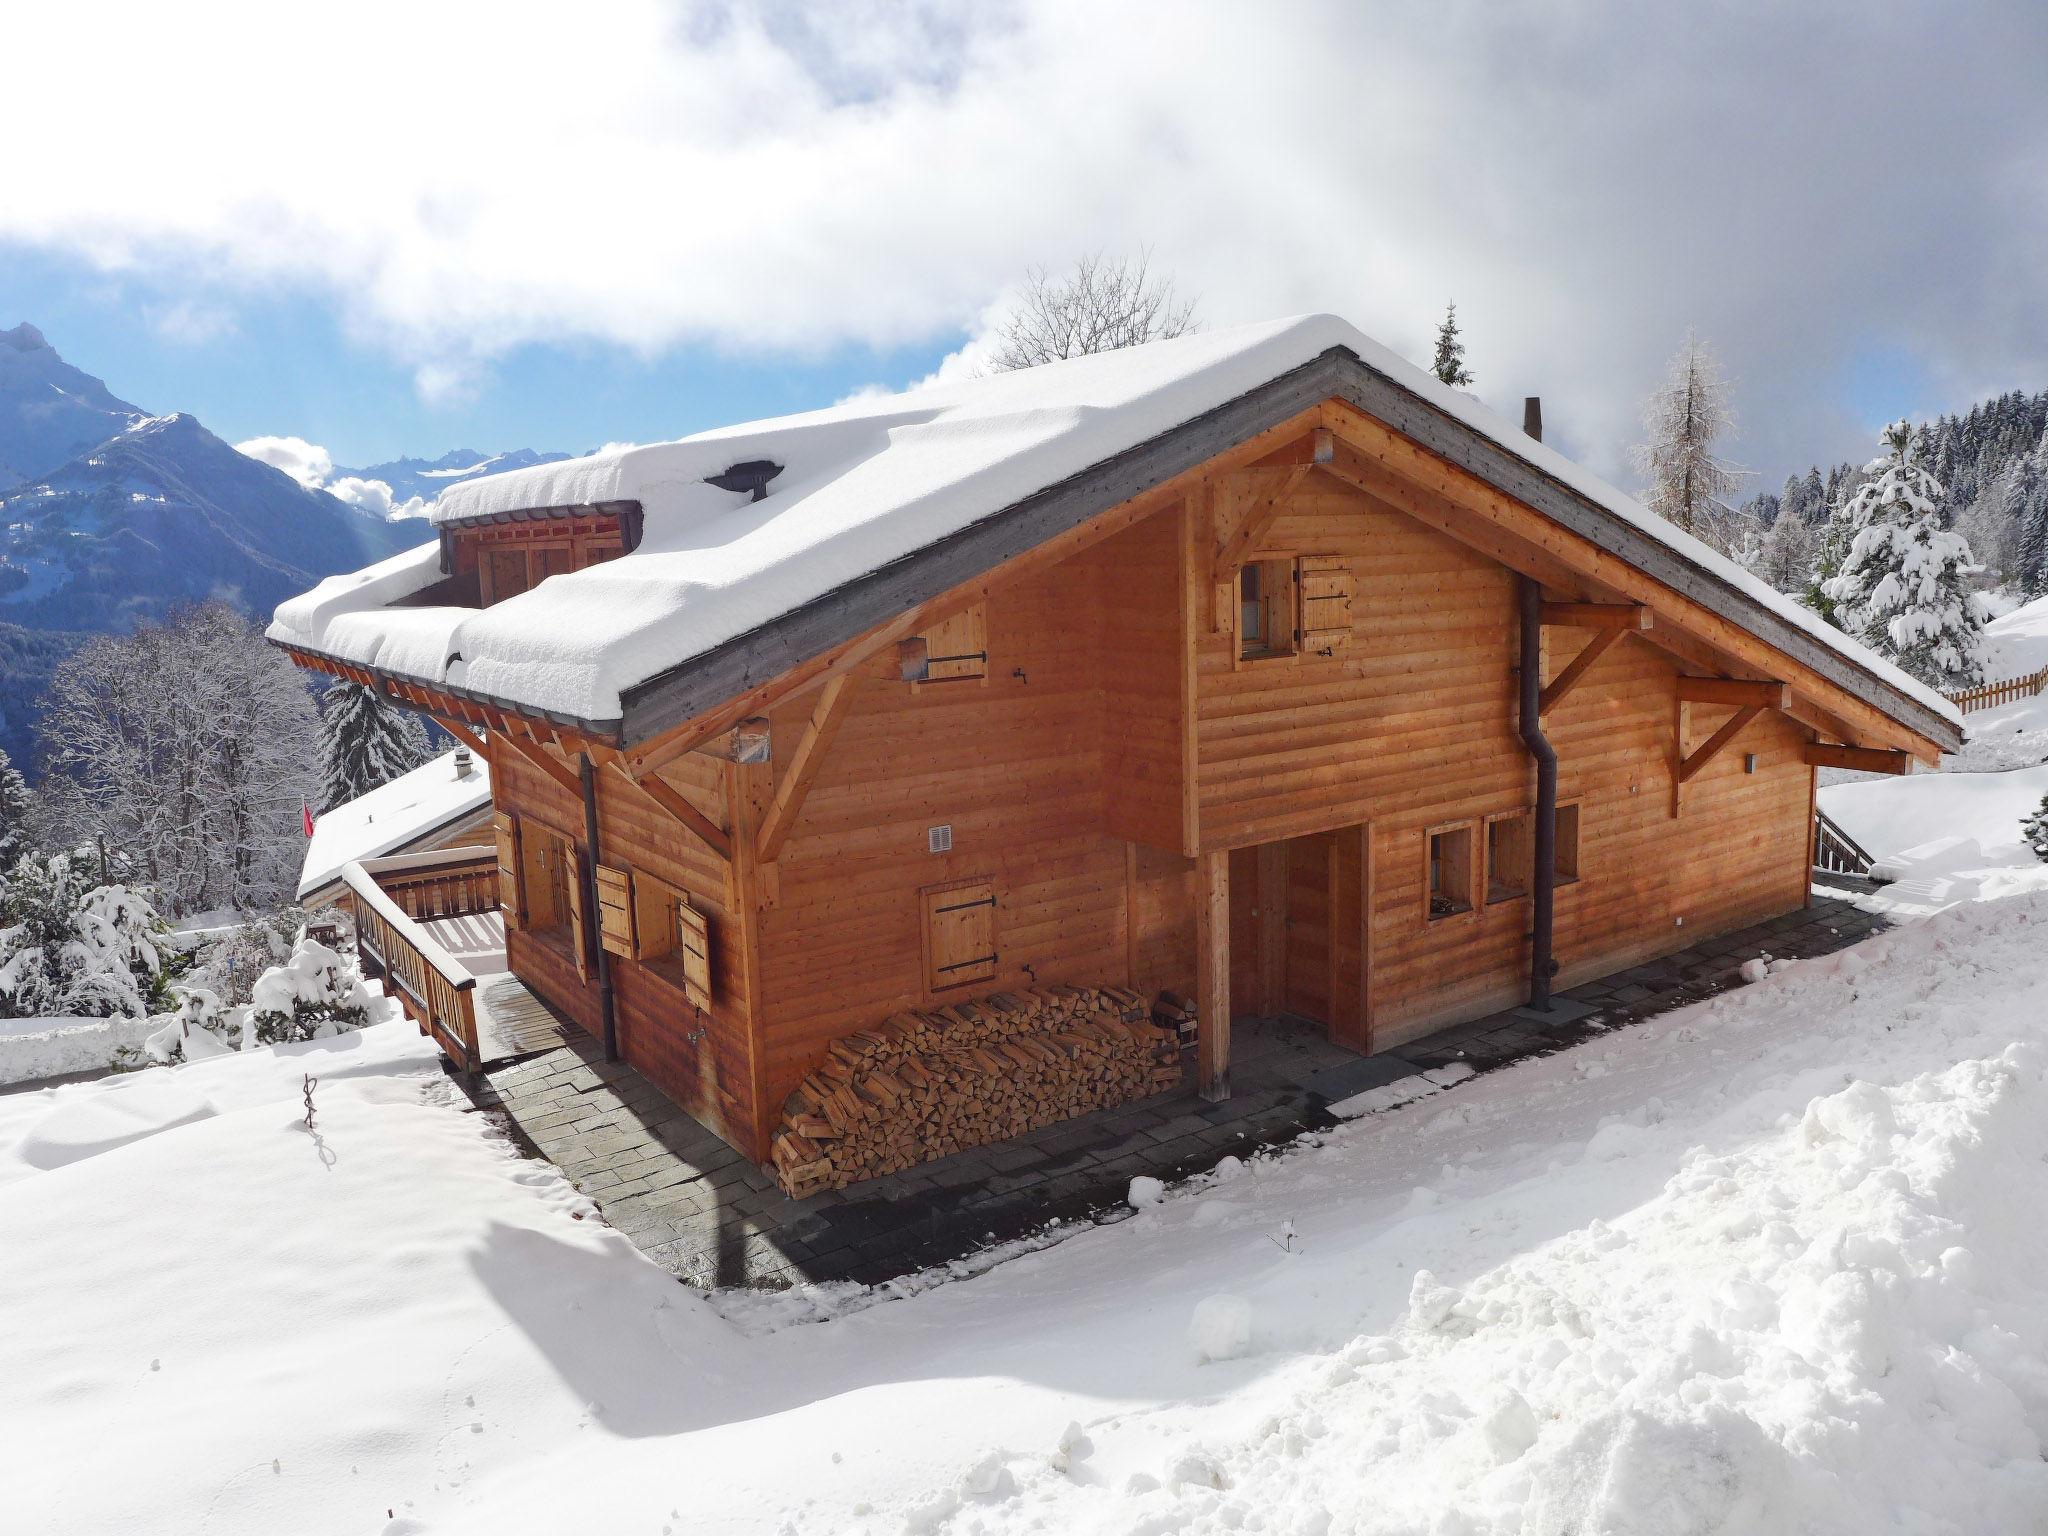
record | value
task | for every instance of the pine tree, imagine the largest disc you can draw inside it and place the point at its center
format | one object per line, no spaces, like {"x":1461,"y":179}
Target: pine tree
{"x":1689,"y":484}
{"x":13,"y":813}
{"x":2035,"y":830}
{"x":1900,"y":589}
{"x":368,"y":741}
{"x":2028,"y":505}
{"x":1450,"y":351}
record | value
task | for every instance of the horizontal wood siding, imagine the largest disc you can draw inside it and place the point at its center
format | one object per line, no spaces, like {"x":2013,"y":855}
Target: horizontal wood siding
{"x":1138,"y":582}
{"x":1016,"y":764}
{"x":1412,"y":725}
{"x":710,"y":1076}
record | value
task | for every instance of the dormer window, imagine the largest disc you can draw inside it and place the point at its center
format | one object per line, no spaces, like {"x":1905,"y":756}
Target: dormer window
{"x":515,"y":553}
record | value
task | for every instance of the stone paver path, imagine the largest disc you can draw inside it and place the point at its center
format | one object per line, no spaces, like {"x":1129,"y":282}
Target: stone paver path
{"x":698,"y":1208}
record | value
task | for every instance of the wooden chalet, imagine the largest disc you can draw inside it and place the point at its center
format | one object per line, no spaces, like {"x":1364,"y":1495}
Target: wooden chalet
{"x":893,"y":761}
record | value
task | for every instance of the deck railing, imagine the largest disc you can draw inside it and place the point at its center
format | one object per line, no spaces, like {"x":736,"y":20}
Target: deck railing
{"x":1835,"y":852}
{"x":391,"y":895}
{"x":2004,"y":691}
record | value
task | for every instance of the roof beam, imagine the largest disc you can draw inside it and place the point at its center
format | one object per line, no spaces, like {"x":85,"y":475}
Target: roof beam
{"x":537,"y":755}
{"x":1732,"y":690}
{"x":1714,"y":743}
{"x":1595,"y":647}
{"x":462,"y":734}
{"x":805,"y":763}
{"x":1252,"y":498}
{"x":1610,"y":616}
{"x":1826,"y":754}
{"x":707,"y":831}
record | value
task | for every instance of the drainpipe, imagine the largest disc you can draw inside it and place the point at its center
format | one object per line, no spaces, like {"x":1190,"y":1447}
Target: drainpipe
{"x":1529,"y":594}
{"x":593,"y":930}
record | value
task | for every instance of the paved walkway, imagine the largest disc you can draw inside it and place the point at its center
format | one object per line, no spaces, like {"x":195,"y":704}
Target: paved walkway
{"x":696,"y":1207}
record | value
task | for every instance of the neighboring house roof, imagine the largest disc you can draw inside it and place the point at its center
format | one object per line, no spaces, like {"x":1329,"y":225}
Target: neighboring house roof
{"x":887,"y":500}
{"x":413,"y":808}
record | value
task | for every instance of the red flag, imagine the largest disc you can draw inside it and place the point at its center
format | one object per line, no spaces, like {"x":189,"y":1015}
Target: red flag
{"x":306,"y":817}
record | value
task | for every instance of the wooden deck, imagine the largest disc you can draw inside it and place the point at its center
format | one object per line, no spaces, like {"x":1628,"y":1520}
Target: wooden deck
{"x":510,"y":1020}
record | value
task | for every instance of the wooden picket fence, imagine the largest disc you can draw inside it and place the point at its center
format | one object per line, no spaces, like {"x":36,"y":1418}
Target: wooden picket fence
{"x":2004,"y":691}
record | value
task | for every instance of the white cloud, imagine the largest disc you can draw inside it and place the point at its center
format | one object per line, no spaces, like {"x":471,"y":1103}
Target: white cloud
{"x":313,"y":467}
{"x":190,"y":322}
{"x":307,"y":463}
{"x":1587,"y":181}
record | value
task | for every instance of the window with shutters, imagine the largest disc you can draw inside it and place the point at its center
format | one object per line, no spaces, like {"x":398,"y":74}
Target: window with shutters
{"x":1295,"y":606}
{"x":551,"y":885}
{"x":959,"y":934}
{"x":1450,"y":872}
{"x":1510,"y":855}
{"x":672,"y":937}
{"x":956,"y":649}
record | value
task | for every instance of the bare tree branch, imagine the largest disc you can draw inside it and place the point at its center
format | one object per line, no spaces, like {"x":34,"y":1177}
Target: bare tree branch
{"x":1098,"y":306}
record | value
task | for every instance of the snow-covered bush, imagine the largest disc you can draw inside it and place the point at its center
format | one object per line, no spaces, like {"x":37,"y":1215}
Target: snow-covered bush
{"x":2035,"y":829}
{"x":1902,"y":588}
{"x":313,"y":994}
{"x":231,"y":963}
{"x":69,"y":947}
{"x":198,"y":1028}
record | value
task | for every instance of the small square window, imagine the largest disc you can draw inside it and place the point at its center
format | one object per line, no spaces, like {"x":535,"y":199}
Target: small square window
{"x":1265,"y":590}
{"x":1509,"y":856}
{"x":1450,"y":872}
{"x":1567,"y":865}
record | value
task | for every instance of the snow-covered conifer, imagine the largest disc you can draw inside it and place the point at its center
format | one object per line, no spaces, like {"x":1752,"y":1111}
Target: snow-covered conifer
{"x":70,"y":947}
{"x":2035,"y":830}
{"x":1902,"y":586}
{"x":13,"y":813}
{"x":367,"y":741}
{"x":1689,"y":484}
{"x":1450,"y":351}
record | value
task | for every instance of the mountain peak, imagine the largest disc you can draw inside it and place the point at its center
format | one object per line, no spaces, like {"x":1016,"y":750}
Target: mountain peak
{"x":23,"y":338}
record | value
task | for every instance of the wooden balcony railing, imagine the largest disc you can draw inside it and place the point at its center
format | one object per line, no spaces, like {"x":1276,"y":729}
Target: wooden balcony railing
{"x":1835,"y":852}
{"x":392,"y":895}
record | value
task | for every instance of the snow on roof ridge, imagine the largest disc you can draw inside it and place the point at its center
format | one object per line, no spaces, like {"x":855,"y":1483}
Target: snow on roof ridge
{"x":867,"y":481}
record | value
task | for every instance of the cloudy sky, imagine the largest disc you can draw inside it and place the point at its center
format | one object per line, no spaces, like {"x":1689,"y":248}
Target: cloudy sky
{"x":400,"y":228}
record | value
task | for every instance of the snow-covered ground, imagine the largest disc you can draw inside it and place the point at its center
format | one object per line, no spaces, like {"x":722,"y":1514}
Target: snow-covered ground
{"x":1768,"y":1263}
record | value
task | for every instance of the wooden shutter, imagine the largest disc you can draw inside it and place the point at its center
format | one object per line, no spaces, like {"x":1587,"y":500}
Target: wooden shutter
{"x":1323,"y":622}
{"x":579,"y":919}
{"x":615,"y":911}
{"x":693,"y":944}
{"x":506,"y":825}
{"x":536,"y":849}
{"x":502,"y":573}
{"x":960,"y":935}
{"x":957,"y":648}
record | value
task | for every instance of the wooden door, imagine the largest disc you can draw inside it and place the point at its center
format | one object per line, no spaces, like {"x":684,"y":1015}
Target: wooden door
{"x":1305,"y":982}
{"x":1244,"y":932}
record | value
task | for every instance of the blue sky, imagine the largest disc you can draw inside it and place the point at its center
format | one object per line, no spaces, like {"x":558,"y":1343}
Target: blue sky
{"x":354,"y":228}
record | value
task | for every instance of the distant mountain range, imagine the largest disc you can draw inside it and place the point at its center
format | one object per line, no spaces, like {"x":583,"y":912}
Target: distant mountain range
{"x":428,"y":478}
{"x":110,"y":515}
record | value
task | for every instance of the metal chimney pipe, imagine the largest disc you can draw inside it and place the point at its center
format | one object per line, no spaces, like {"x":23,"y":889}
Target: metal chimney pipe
{"x":1532,"y":416}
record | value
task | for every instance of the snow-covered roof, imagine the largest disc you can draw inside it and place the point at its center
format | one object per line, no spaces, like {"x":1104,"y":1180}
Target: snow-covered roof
{"x":864,"y":484}
{"x":391,"y":817}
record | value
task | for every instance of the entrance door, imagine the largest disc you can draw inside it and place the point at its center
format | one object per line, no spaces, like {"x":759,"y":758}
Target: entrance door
{"x":1296,"y":931}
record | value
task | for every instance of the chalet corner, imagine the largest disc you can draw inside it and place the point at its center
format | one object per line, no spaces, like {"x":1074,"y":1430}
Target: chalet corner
{"x":867,"y":778}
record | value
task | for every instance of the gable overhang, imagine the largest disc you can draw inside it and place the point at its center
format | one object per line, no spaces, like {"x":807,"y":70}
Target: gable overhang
{"x":691,"y":690}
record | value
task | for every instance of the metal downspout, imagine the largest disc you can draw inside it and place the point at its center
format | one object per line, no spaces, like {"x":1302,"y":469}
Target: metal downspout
{"x":593,"y":929}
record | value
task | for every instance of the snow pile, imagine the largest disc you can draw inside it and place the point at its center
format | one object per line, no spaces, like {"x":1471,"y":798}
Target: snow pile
{"x":864,"y":483}
{"x":1773,"y":1266}
{"x":34,"y":1049}
{"x":1944,"y":838}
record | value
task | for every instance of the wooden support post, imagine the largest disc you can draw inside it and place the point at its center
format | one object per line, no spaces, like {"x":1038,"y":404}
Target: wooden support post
{"x":463,"y":734}
{"x":1825,"y":754}
{"x":1258,"y":496}
{"x":1714,"y":743}
{"x":1595,"y":647}
{"x":662,"y":794}
{"x":1212,"y":957}
{"x":805,"y":762}
{"x":538,"y":755}
{"x":748,"y":789}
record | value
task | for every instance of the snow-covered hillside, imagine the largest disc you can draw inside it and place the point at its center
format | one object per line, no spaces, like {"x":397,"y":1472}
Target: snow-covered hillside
{"x":1768,"y":1263}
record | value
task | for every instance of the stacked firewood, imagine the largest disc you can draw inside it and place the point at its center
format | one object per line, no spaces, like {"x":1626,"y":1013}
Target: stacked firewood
{"x":925,"y":1084}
